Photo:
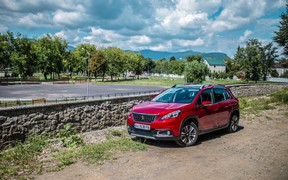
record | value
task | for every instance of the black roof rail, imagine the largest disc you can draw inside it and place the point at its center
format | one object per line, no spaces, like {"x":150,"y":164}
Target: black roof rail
{"x":205,"y":85}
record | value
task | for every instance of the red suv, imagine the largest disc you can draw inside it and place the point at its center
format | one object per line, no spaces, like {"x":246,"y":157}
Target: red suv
{"x":182,"y":113}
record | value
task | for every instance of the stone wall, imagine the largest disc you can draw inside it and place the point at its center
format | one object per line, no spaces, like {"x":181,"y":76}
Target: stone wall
{"x":17,"y":123}
{"x":255,"y":90}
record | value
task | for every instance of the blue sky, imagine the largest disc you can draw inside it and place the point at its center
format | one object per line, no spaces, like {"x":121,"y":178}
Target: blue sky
{"x":162,"y":25}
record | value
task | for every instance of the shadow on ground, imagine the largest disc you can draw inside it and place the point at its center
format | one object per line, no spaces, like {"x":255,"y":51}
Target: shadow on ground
{"x":202,"y":138}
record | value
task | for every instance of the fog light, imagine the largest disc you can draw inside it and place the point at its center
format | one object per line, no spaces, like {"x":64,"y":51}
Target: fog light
{"x":163,"y":133}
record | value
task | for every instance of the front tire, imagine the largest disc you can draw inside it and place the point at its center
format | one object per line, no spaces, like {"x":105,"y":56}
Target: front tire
{"x":234,"y":123}
{"x":188,"y":135}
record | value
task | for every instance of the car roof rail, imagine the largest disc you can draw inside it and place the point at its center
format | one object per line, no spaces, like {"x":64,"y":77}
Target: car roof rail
{"x":205,"y":85}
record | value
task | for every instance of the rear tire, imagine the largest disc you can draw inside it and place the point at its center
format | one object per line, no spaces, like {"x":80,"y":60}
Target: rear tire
{"x":234,"y":123}
{"x":188,"y":135}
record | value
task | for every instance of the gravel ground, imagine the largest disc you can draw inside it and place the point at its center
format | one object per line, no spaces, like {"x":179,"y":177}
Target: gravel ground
{"x":259,"y":150}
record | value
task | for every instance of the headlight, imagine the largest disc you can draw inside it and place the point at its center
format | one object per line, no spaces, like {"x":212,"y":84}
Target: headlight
{"x":171,"y":115}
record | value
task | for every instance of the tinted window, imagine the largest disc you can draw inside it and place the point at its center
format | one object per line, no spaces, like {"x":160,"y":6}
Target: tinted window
{"x":221,"y":95}
{"x":205,"y":96}
{"x":177,"y":95}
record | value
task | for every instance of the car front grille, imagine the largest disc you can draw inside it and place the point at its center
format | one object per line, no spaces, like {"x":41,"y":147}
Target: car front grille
{"x":144,"y":117}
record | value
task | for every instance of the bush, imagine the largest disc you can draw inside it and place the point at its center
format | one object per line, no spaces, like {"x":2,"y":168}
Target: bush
{"x":69,"y":137}
{"x":195,"y":72}
{"x":280,"y":96}
{"x":285,"y":75}
{"x":274,"y":73}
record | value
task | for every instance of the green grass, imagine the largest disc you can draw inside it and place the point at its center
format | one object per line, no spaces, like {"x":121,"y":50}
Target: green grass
{"x":157,"y":81}
{"x":280,"y":96}
{"x":22,"y":159}
{"x":96,"y":153}
{"x":254,"y":105}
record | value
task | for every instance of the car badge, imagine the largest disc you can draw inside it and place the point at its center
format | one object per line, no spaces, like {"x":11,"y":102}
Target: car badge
{"x":142,"y":118}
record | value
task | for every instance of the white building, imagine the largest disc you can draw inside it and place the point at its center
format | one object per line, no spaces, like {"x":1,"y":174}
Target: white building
{"x":216,"y":65}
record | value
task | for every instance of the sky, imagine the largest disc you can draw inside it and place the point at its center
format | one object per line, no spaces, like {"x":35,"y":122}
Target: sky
{"x":160,"y":25}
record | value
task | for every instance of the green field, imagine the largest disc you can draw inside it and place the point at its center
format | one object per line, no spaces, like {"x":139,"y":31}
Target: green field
{"x":157,"y":81}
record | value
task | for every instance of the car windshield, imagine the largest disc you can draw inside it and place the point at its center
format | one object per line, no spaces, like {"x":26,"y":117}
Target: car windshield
{"x":177,"y":95}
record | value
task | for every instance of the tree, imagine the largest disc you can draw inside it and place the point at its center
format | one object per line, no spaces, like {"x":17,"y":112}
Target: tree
{"x":98,"y":63}
{"x":195,"y":72}
{"x":140,"y":65}
{"x":50,"y":52}
{"x":114,"y":57}
{"x":194,"y":58}
{"x":176,"y":67}
{"x":249,"y":59}
{"x":232,"y":67}
{"x":22,"y":57}
{"x":6,"y":49}
{"x":269,"y":54}
{"x":149,"y":65}
{"x":281,"y":36}
{"x":172,"y":58}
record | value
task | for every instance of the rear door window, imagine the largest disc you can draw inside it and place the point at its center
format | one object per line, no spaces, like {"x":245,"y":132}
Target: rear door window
{"x":221,"y":95}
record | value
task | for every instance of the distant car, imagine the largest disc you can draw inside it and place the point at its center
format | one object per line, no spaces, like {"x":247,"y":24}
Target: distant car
{"x":184,"y":112}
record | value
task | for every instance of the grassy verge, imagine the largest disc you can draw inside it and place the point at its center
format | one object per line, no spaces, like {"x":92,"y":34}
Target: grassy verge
{"x":254,"y":105}
{"x":28,"y":159}
{"x":22,"y":159}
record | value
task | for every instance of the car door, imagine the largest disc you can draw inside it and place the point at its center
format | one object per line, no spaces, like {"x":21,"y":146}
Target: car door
{"x":207,"y":113}
{"x":222,"y":99}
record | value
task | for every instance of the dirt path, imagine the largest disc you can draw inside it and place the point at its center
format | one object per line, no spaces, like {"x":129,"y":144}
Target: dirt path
{"x":258,"y":151}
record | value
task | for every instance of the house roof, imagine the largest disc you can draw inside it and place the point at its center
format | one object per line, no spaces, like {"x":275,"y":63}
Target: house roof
{"x":216,"y":62}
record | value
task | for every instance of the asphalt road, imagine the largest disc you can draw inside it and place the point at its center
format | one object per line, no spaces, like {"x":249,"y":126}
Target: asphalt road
{"x":53,"y":91}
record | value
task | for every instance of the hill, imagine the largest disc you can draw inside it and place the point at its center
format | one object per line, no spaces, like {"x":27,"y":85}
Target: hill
{"x":157,"y":55}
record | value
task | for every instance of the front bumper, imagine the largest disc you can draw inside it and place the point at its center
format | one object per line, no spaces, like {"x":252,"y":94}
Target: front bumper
{"x":157,"y":134}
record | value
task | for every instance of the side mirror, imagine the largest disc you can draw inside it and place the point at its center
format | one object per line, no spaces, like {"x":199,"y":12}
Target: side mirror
{"x":206,"y":103}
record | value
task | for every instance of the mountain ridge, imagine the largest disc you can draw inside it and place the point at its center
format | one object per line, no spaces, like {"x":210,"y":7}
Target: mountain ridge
{"x":157,"y":55}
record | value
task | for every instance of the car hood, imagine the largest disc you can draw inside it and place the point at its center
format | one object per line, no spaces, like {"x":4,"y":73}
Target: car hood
{"x":157,"y":107}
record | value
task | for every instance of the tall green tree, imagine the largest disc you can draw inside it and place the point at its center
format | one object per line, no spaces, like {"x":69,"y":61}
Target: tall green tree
{"x":249,"y":59}
{"x":269,"y":55}
{"x":98,"y":64}
{"x":149,"y":65}
{"x":176,"y":67}
{"x":281,"y":36}
{"x":195,"y":72}
{"x":51,"y":52}
{"x":172,"y":58}
{"x":7,"y":41}
{"x":114,"y":57}
{"x":23,"y":58}
{"x":191,"y":58}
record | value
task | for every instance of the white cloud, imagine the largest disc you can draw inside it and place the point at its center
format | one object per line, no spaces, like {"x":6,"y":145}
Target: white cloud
{"x":68,"y":18}
{"x":3,"y":28}
{"x":105,"y":36}
{"x":140,"y":40}
{"x":189,"y":43}
{"x":238,"y":14}
{"x":165,"y":46}
{"x":69,"y":35}
{"x":36,"y":20}
{"x":245,"y":36}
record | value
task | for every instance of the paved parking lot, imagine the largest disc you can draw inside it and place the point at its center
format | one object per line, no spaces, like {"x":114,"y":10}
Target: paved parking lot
{"x":52,"y":91}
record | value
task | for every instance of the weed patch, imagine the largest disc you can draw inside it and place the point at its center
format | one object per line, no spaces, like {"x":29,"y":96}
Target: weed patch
{"x":22,"y":159}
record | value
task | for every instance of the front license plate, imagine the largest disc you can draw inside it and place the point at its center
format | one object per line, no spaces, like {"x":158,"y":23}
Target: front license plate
{"x":142,"y":126}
